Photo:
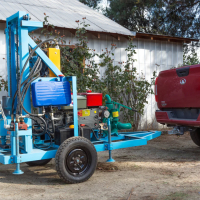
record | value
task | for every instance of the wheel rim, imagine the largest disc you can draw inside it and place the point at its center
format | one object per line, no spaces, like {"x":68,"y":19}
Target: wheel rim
{"x":78,"y":161}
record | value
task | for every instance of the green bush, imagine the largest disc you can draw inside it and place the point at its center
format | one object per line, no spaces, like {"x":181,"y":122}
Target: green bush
{"x":120,"y":81}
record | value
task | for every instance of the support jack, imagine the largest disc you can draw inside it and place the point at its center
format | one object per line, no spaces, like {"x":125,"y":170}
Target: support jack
{"x":18,"y":171}
{"x":109,"y":141}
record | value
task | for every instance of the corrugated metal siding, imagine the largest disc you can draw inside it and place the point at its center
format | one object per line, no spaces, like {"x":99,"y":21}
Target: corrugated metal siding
{"x":151,"y":56}
{"x":155,"y":56}
{"x":198,"y":51}
{"x":3,"y":67}
{"x":62,"y":13}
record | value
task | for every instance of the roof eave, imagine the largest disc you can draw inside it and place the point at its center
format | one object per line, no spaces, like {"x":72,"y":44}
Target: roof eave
{"x":133,"y":35}
{"x":165,"y":38}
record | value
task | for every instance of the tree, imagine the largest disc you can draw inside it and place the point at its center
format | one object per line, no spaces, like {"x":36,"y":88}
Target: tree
{"x":132,"y":14}
{"x":190,"y":55}
{"x":179,"y":18}
{"x":91,"y":3}
{"x":168,"y":17}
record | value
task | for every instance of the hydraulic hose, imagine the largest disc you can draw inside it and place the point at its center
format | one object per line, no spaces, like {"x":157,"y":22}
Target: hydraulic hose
{"x":53,"y":126}
{"x":40,"y":134}
{"x":32,"y":70}
{"x":37,"y":122}
{"x":45,"y":126}
{"x":45,"y":130}
{"x":95,"y":135}
{"x":25,"y":89}
{"x":30,"y":75}
{"x":20,"y":79}
{"x":32,"y":78}
{"x":44,"y":147}
{"x":31,"y":54}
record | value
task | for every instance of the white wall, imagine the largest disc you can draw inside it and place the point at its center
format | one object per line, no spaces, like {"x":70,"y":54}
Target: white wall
{"x":155,"y":56}
{"x":198,"y":52}
{"x":3,"y":67}
{"x":151,"y":56}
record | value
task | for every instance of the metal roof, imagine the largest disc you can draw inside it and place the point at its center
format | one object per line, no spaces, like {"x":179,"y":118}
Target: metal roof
{"x":62,"y":13}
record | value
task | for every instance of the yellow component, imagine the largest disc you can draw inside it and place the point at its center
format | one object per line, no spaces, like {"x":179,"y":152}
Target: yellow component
{"x":115,"y":114}
{"x":95,"y":111}
{"x":85,"y":113}
{"x":54,"y":56}
{"x":71,"y":126}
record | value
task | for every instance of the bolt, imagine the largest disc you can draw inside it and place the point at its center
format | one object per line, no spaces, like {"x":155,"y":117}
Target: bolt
{"x":72,"y":158}
{"x":75,"y":165}
{"x":79,"y":156}
{"x":80,"y":162}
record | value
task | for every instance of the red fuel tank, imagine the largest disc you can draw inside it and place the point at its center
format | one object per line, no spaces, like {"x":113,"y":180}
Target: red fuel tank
{"x":93,"y":99}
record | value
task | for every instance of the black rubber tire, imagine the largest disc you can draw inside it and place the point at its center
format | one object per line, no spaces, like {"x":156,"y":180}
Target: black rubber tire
{"x":38,"y":162}
{"x":65,"y":153}
{"x":195,"y":135}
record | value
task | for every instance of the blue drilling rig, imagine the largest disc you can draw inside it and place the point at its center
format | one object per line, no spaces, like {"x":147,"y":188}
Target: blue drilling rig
{"x":72,"y":133}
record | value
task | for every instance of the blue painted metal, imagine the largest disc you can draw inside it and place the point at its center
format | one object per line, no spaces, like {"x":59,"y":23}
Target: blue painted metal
{"x":44,"y":57}
{"x":31,"y":26}
{"x":110,"y":147}
{"x":75,"y":107}
{"x":51,"y":93}
{"x":3,"y":131}
{"x":126,"y":140}
{"x":17,"y":157}
{"x":7,"y":30}
{"x":13,"y":63}
{"x":36,"y":154}
{"x":17,"y":25}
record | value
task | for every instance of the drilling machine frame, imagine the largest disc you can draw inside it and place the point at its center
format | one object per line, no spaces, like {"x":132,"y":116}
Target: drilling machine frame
{"x":76,"y":157}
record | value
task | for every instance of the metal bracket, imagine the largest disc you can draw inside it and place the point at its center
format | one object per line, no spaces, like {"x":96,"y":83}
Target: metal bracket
{"x":108,"y":147}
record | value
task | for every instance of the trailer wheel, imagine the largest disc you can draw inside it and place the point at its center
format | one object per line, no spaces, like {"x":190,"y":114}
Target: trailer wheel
{"x":195,"y":135}
{"x":38,"y":162}
{"x":76,"y":160}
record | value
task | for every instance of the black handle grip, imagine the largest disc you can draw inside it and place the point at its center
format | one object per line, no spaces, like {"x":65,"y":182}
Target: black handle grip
{"x":183,"y":71}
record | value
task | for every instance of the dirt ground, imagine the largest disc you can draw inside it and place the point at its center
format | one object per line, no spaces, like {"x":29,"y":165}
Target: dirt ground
{"x":168,"y":168}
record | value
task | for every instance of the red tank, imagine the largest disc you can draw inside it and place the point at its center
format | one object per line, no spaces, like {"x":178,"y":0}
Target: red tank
{"x":93,"y":99}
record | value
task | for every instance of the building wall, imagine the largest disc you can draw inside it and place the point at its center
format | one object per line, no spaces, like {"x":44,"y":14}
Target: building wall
{"x":198,"y":52}
{"x":3,"y":67}
{"x":155,"y":56}
{"x":151,"y":55}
